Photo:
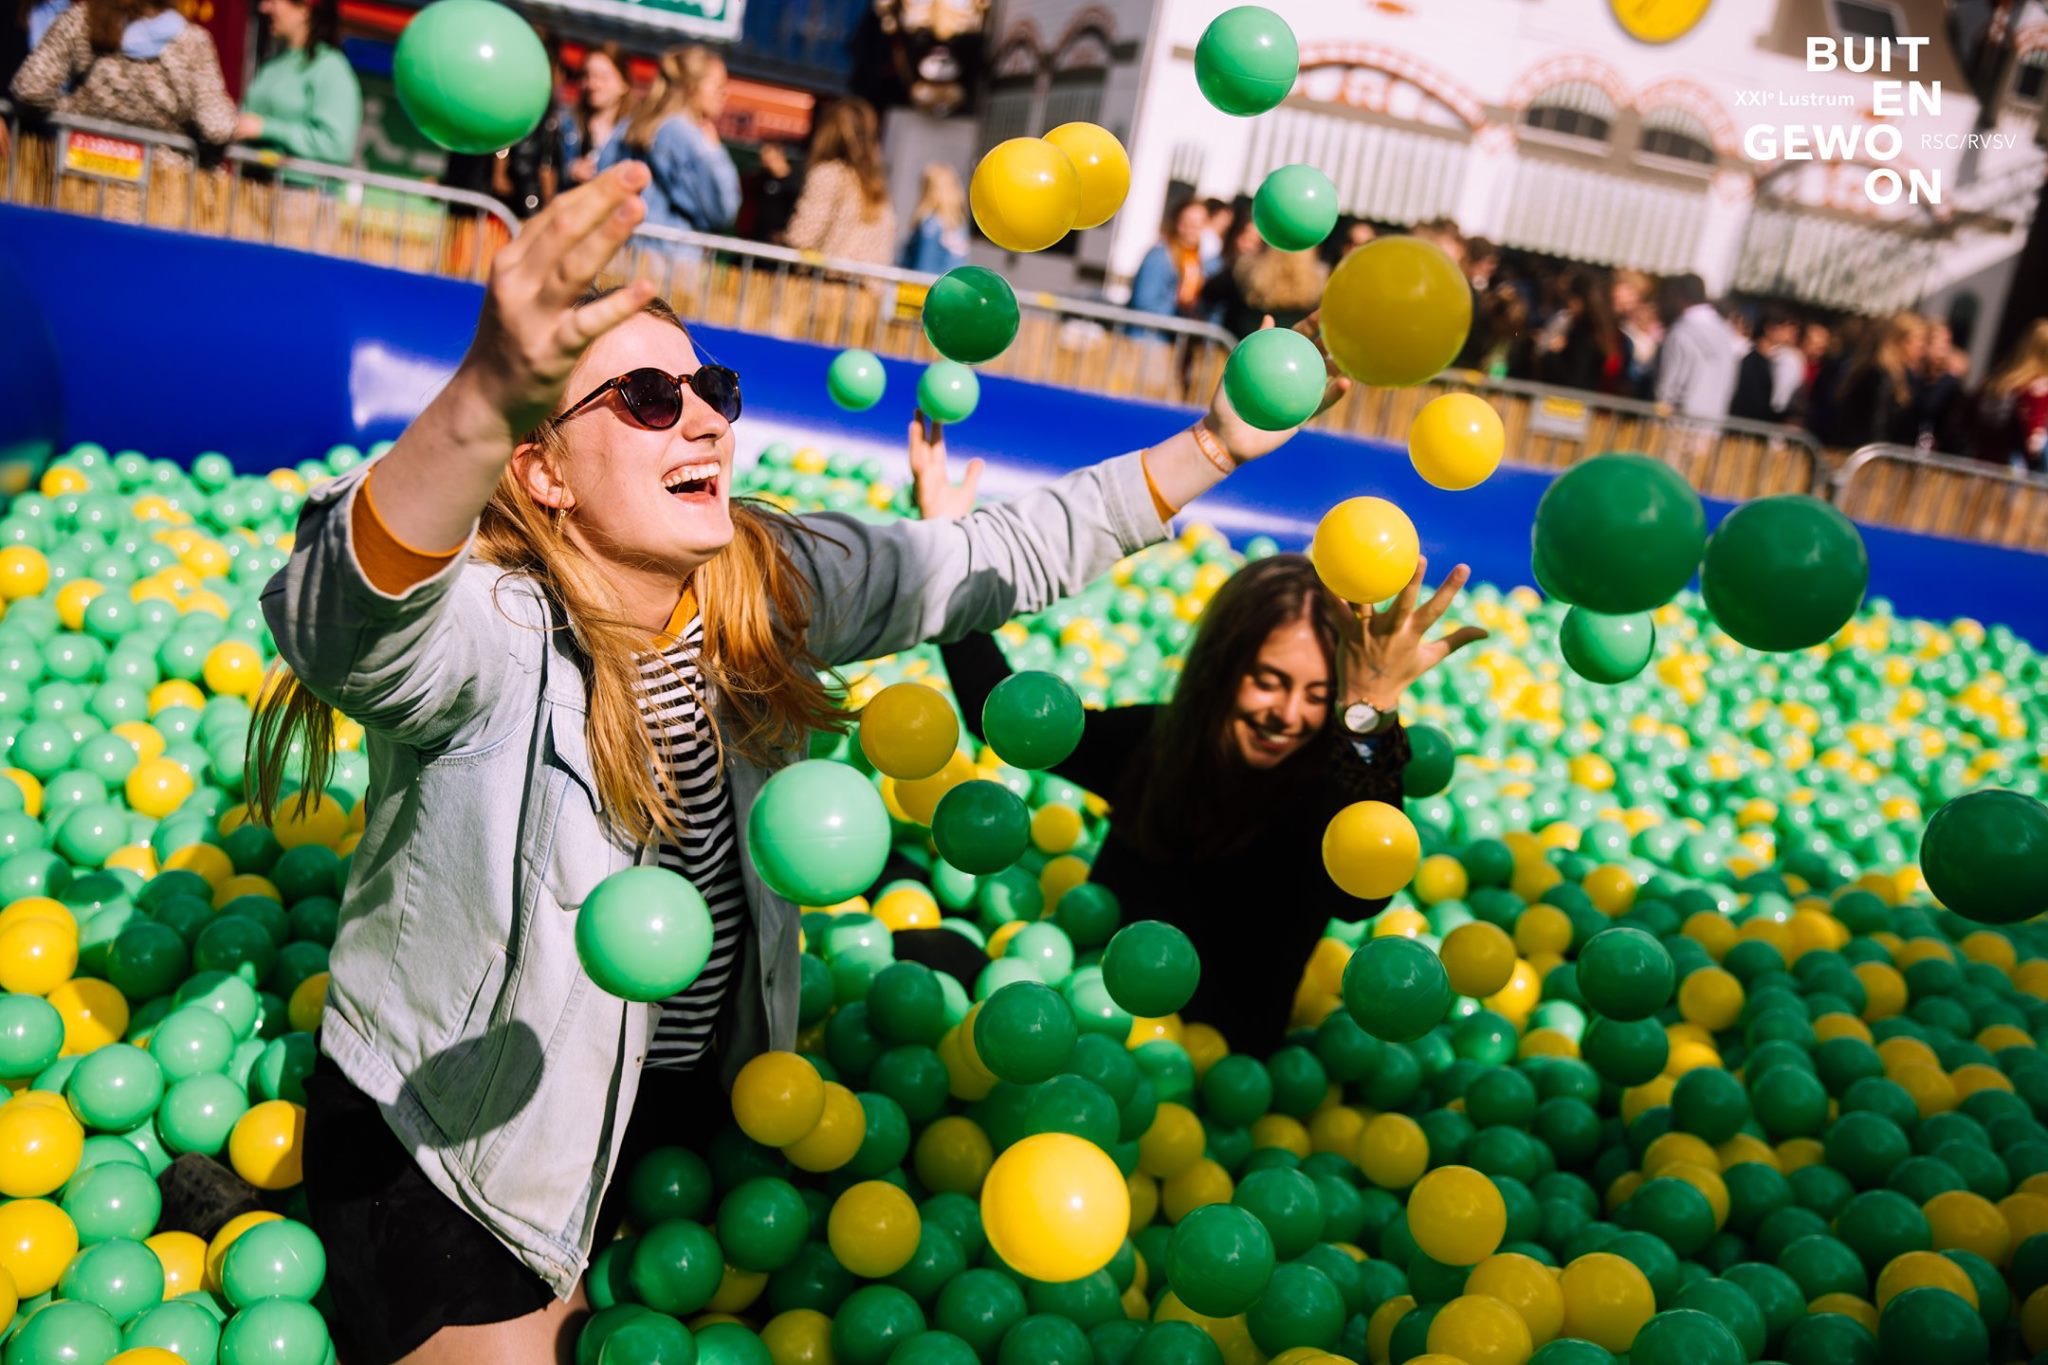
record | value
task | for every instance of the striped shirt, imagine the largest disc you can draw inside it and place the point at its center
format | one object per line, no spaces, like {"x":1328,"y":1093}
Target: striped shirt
{"x":705,"y":850}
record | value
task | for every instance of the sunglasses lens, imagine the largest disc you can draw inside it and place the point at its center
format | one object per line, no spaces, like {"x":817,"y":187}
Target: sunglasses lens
{"x":651,"y":397}
{"x":720,"y":390}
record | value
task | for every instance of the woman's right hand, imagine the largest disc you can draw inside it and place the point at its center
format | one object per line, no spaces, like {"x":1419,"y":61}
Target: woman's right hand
{"x":938,"y":497}
{"x":533,"y":328}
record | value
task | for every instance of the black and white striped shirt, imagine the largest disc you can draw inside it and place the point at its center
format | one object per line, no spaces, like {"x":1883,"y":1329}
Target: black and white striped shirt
{"x":673,"y":698}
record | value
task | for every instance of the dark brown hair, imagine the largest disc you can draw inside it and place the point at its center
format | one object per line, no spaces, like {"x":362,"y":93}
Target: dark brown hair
{"x":106,"y":20}
{"x":1177,"y":798}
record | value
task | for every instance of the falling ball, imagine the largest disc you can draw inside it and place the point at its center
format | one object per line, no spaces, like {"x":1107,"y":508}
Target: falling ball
{"x":1246,"y":60}
{"x":856,"y":380}
{"x":1784,"y":573}
{"x":1985,"y":856}
{"x":1396,"y":312}
{"x":970,"y":315}
{"x":1618,"y":534}
{"x":1025,"y":194}
{"x":1456,"y":441}
{"x":1371,"y":849}
{"x":472,"y":75}
{"x":1295,"y":208}
{"x":643,"y":933}
{"x":948,"y":392}
{"x":1365,"y":549}
{"x":1102,"y":165}
{"x":819,"y":832}
{"x":1275,"y":379}
{"x":1606,"y":649}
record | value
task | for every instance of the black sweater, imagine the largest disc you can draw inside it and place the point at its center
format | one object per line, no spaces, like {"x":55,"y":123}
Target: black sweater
{"x":1254,"y":914}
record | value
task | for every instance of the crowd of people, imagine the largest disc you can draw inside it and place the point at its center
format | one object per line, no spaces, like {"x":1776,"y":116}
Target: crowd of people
{"x":1850,"y":381}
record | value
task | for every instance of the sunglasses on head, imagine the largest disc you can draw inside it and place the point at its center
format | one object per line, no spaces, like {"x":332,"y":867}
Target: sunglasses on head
{"x":655,"y":397}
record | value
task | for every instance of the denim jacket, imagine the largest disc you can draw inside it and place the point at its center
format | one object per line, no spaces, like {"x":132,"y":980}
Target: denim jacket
{"x":457,"y":999}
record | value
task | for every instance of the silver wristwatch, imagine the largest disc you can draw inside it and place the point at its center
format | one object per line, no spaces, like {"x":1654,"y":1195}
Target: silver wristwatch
{"x":1363,"y":719}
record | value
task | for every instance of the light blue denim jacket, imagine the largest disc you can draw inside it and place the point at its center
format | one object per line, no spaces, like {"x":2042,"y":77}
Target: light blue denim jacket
{"x":457,"y":1000}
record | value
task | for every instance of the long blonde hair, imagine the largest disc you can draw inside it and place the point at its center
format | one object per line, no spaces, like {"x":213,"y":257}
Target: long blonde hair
{"x":677,"y":75}
{"x":756,"y":609}
{"x":2029,"y":361}
{"x":939,"y":195}
{"x":1886,"y":352}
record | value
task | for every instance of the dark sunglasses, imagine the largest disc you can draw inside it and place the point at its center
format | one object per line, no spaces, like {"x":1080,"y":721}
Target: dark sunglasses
{"x":655,"y":397}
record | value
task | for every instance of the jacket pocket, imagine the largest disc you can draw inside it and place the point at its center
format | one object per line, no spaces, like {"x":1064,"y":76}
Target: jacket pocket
{"x":452,"y":1071}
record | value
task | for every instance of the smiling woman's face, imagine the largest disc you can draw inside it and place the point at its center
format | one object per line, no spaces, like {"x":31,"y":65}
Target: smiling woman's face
{"x":1283,"y":701}
{"x":639,"y":498}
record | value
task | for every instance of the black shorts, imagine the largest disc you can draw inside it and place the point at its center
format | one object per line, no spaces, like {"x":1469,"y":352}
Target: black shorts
{"x":404,"y":1261}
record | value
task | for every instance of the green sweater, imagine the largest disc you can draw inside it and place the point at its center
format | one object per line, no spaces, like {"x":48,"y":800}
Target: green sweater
{"x":310,"y":105}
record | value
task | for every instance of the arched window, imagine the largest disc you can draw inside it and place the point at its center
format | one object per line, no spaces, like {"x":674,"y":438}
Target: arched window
{"x":1574,"y":108}
{"x":2029,"y":75}
{"x":1672,"y":132}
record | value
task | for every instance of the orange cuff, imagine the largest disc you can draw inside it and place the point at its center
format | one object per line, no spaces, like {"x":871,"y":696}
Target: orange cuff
{"x":1159,"y":503}
{"x":392,"y":566}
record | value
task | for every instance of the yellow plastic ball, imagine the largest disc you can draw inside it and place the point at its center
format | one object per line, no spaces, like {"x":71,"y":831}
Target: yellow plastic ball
{"x":1441,"y":877}
{"x":1860,"y":1311}
{"x":1365,"y":549}
{"x":802,"y":1336}
{"x":1711,"y":998}
{"x":1606,"y":1300}
{"x":1923,"y":1270}
{"x":1055,"y":1207}
{"x":183,"y":1257}
{"x":1543,"y":929}
{"x":737,"y":1290}
{"x":323,"y":821}
{"x":1455,"y":442}
{"x":94,"y":1014}
{"x":308,"y":1003}
{"x":73,"y":598}
{"x":1055,"y":828}
{"x":245,"y":884}
{"x":953,"y":1155}
{"x":1102,"y":167}
{"x":37,"y":907}
{"x":2034,"y":1321}
{"x":1371,"y":849}
{"x":1479,"y":957}
{"x":1480,"y":1330}
{"x":1205,"y":1045}
{"x":175,"y":692}
{"x":2025,"y":1215}
{"x":1172,"y":1144}
{"x":1205,"y":1182}
{"x":1612,"y":889}
{"x":23,"y":572}
{"x":777,"y":1098}
{"x":157,"y":786}
{"x":37,"y":1242}
{"x":1336,"y":1130}
{"x":835,"y":1137}
{"x":1457,"y":1215}
{"x":1025,"y":194}
{"x":1396,"y":312}
{"x":907,"y":907}
{"x":909,"y":731}
{"x":1144,"y":1207}
{"x":268,"y":1145}
{"x":873,"y":1229}
{"x":920,"y":798}
{"x":207,"y":860}
{"x":1393,"y":1151}
{"x":39,"y":1149}
{"x":37,"y":956}
{"x":1884,"y":989}
{"x":233,"y":668}
{"x":1525,"y":1285}
{"x":1379,"y":1328}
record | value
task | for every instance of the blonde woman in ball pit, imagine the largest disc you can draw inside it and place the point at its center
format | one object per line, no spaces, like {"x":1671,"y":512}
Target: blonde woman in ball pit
{"x":507,"y":603}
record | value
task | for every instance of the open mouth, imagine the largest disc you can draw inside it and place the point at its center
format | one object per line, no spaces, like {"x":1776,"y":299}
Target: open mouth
{"x":693,"y":483}
{"x":1267,"y":743}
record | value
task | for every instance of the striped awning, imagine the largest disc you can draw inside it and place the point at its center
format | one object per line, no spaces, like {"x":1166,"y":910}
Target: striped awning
{"x":1589,"y":215}
{"x":1581,"y":96}
{"x":1382,"y":172}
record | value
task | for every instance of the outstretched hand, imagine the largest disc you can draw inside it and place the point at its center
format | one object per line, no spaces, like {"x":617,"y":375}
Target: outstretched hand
{"x":1391,"y":649}
{"x":1247,"y":442}
{"x":938,"y":497}
{"x":534,"y":328}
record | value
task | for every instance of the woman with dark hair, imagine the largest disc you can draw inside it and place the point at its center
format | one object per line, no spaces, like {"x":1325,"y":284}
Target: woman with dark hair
{"x":1582,"y":346}
{"x":604,"y":102}
{"x":1287,"y":711}
{"x":843,"y":209}
{"x":304,"y":101}
{"x":131,"y":61}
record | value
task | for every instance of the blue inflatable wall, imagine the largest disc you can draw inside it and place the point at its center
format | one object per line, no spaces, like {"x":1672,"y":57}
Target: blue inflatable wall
{"x":174,"y":345}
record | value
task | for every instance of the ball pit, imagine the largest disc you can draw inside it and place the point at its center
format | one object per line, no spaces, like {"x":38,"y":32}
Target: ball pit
{"x":1663,"y":1047}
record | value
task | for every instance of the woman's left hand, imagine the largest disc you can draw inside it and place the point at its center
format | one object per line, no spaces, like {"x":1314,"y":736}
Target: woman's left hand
{"x":248,"y":127}
{"x":1390,"y":650}
{"x":1247,"y":442}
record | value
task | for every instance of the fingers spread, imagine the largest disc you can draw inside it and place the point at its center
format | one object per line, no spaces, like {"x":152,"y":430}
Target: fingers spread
{"x":578,"y":214}
{"x":1405,"y":603}
{"x":1462,"y":636}
{"x":1440,"y":601}
{"x":583,"y":262}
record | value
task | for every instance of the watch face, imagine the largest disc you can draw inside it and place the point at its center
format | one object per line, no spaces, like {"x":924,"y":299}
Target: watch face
{"x":1658,"y":21}
{"x":1360,"y":717}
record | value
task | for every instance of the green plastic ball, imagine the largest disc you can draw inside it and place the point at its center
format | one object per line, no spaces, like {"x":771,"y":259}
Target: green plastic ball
{"x":1246,"y":60}
{"x":970,"y":315}
{"x":644,"y":933}
{"x":1275,"y":379}
{"x":472,"y":75}
{"x":1784,"y":573}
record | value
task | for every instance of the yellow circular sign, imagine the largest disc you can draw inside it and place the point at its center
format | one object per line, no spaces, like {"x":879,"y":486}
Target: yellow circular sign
{"x":1658,"y":21}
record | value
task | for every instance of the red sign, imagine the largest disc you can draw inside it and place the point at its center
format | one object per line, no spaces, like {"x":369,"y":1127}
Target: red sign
{"x":112,"y":158}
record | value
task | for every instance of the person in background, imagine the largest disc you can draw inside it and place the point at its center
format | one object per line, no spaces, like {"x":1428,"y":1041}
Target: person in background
{"x":604,"y":101}
{"x":131,"y":61}
{"x":768,"y":195}
{"x":1788,"y":365}
{"x":1826,"y":354}
{"x":1509,"y":352}
{"x":1285,"y":286}
{"x":1445,"y":235}
{"x":1219,"y":216}
{"x":1581,"y":348}
{"x":1225,"y":294}
{"x":1482,"y":261}
{"x":938,"y":225}
{"x":674,"y":129}
{"x":1696,"y":360}
{"x":1876,"y":400}
{"x":1630,"y":295}
{"x":1170,"y":278}
{"x":1938,"y":399}
{"x":2012,"y":412}
{"x":843,"y":210}
{"x":305,"y":100}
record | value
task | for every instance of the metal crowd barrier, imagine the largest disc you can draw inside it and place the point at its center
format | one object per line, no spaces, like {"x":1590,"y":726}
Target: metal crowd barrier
{"x":1944,"y":495}
{"x":1553,"y":428}
{"x":138,"y":175}
{"x":780,"y":291}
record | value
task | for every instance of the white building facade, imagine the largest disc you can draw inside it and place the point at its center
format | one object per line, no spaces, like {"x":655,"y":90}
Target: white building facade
{"x":1547,"y":126}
